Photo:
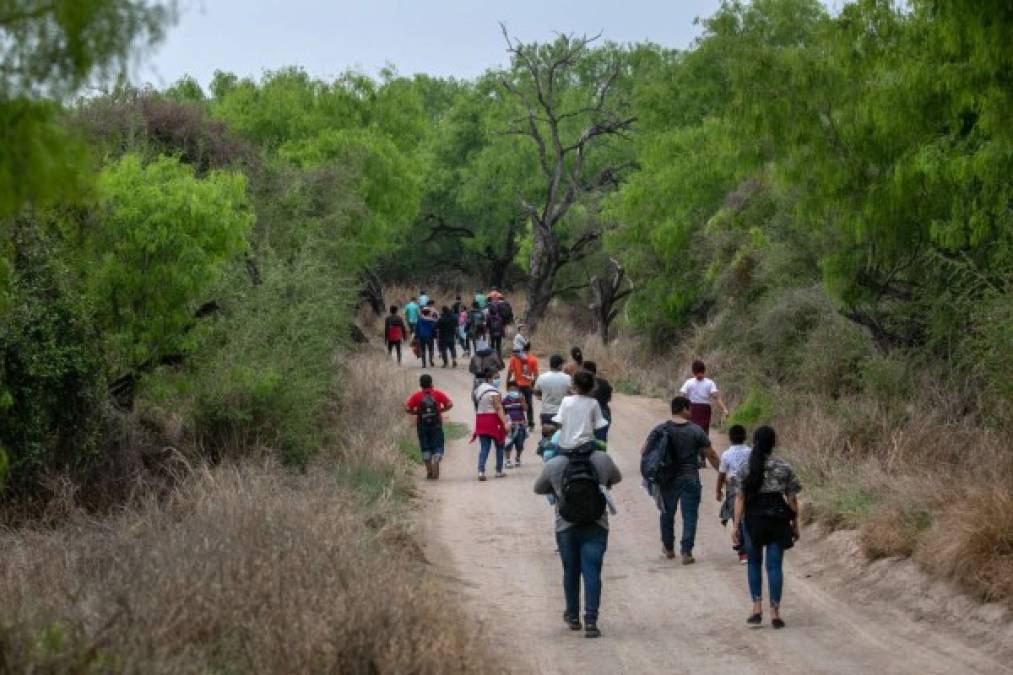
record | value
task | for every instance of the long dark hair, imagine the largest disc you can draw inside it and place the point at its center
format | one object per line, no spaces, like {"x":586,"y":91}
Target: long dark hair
{"x":764,"y":440}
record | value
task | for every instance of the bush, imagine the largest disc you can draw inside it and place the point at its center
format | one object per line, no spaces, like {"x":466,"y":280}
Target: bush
{"x":52,"y":383}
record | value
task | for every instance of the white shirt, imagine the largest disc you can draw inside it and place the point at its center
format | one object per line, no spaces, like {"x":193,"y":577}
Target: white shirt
{"x":554,"y":385}
{"x":699,"y":391}
{"x":486,"y":395}
{"x":735,"y":461}
{"x":578,"y":417}
{"x":520,"y":342}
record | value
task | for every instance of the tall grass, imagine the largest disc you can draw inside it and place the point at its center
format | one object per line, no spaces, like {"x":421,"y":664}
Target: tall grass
{"x":245,"y":567}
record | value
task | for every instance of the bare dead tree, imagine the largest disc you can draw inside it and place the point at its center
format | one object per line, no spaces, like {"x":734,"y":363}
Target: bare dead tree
{"x":607,"y":293}
{"x":538,"y":80}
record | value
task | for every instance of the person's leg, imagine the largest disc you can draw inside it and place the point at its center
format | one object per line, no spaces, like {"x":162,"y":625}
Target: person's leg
{"x":397,"y":347}
{"x":569,"y":554}
{"x":594,"y":541}
{"x":754,"y":571}
{"x":499,"y":457}
{"x":669,"y":500}
{"x":529,"y":398}
{"x":453,"y":354}
{"x":519,"y":439}
{"x":425,"y":448}
{"x":484,"y":442}
{"x":438,"y":445}
{"x":689,"y":498}
{"x":775,"y":575}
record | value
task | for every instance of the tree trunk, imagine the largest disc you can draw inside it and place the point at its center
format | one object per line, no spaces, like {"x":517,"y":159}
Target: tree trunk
{"x":606,"y":294}
{"x":372,"y":292}
{"x":545,"y":262}
{"x":497,"y":272}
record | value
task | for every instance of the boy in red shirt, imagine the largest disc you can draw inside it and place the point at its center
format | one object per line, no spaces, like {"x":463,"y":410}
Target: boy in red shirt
{"x":523,"y":369}
{"x":427,"y":405}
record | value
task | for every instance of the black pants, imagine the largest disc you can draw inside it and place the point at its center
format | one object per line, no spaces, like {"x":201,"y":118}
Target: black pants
{"x":528,"y":395}
{"x":497,"y":344}
{"x":427,"y":347}
{"x":448,"y":350}
{"x":394,"y":346}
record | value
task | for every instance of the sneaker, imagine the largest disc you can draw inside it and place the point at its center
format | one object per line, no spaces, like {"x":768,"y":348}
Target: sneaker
{"x":755,"y":619}
{"x":591,"y":630}
{"x":572,"y":622}
{"x":481,"y":475}
{"x":688,"y":559}
{"x":669,"y":553}
{"x":500,"y":474}
{"x":777,"y":623}
{"x":509,"y":464}
{"x":518,"y":463}
{"x":743,"y":558}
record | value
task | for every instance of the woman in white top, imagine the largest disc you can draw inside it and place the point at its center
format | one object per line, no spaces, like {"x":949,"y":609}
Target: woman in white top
{"x":579,"y":415}
{"x":490,"y":421}
{"x":701,"y":392}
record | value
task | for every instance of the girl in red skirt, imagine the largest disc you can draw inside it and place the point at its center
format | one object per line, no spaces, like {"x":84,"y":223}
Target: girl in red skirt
{"x":702,"y":392}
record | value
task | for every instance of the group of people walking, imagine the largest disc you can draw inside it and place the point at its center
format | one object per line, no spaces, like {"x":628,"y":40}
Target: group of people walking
{"x":455,"y":325}
{"x":758,"y":491}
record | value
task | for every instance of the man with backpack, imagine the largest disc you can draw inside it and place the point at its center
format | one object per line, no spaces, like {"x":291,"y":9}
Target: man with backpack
{"x":496,"y":327}
{"x":411,"y":314}
{"x":670,"y":464}
{"x":425,"y":333}
{"x":476,"y":324}
{"x":577,"y":477}
{"x":394,"y":332}
{"x":427,"y":405}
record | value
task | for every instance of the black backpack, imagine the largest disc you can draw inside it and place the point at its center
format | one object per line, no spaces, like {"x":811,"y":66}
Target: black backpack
{"x":495,"y":324}
{"x":429,"y":411}
{"x":506,"y":311}
{"x":476,"y":318}
{"x":657,"y":465}
{"x":581,"y":501}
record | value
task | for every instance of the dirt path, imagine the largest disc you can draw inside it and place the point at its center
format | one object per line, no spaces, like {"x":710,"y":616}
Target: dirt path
{"x":494,"y":541}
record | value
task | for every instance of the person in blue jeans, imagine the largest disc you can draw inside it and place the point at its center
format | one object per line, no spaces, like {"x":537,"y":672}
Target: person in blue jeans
{"x":766,"y":509}
{"x":581,"y":546}
{"x":685,"y":442}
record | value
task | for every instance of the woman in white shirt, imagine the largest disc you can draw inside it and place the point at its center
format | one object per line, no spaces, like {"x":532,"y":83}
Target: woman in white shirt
{"x":579,"y":415}
{"x":701,"y":392}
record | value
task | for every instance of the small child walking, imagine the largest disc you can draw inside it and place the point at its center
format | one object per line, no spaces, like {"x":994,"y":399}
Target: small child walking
{"x":734,"y":463}
{"x":516,"y":409}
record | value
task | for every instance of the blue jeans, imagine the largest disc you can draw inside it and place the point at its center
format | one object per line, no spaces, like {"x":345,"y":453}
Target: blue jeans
{"x":754,"y":569}
{"x":602,"y":434}
{"x":582,"y":551}
{"x":484,"y":444}
{"x":430,"y":441}
{"x":685,"y":491}
{"x":518,"y":434}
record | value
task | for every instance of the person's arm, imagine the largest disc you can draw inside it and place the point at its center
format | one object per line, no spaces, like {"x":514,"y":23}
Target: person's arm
{"x":740,"y":507}
{"x":712,"y":456}
{"x":510,"y":374}
{"x":497,"y":402}
{"x":716,"y":397}
{"x":446,"y":403}
{"x":792,"y":501}
{"x":614,"y":474}
{"x":722,"y":479}
{"x":543,"y":484}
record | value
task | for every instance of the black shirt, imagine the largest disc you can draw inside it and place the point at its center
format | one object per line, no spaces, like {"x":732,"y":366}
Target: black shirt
{"x":602,"y":393}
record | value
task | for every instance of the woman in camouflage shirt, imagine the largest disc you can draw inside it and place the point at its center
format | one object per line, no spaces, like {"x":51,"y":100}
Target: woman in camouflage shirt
{"x":767,"y":507}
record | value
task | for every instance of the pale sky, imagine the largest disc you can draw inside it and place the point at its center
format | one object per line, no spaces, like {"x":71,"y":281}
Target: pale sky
{"x":440,"y":37}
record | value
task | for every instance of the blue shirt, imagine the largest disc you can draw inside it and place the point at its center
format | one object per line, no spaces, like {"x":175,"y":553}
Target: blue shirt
{"x":411,"y":312}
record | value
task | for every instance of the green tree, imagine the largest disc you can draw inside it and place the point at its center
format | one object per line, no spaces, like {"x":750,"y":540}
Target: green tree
{"x":155,"y":249}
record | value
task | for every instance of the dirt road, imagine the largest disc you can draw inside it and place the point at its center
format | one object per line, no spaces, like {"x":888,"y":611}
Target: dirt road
{"x":494,"y":541}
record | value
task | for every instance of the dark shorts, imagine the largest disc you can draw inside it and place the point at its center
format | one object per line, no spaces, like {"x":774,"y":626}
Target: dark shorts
{"x":546,"y":418}
{"x":430,"y":442}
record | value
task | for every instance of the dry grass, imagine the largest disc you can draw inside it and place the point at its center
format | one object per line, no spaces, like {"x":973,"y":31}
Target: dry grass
{"x":244,"y":568}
